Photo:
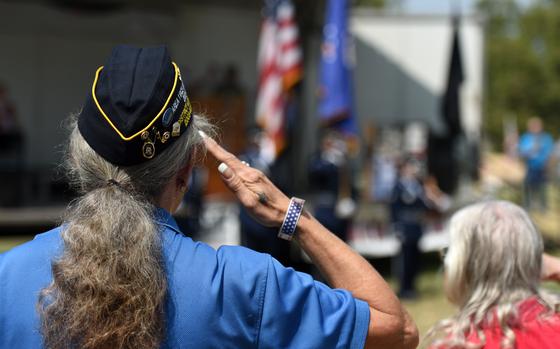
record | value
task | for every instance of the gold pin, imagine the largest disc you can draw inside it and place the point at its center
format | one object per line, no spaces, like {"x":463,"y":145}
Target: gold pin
{"x":145,"y":135}
{"x":165,"y":137}
{"x":148,"y":149}
{"x":176,"y":132}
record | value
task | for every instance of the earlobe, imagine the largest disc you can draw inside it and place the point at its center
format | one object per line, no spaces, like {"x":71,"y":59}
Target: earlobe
{"x":182,"y":185}
{"x":183,"y":178}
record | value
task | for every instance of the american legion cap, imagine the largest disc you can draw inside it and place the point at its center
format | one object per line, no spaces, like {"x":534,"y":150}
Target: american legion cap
{"x":137,"y":106}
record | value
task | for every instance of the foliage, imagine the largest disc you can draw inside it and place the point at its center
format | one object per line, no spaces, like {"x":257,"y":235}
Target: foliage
{"x":370,"y":3}
{"x":522,"y":64}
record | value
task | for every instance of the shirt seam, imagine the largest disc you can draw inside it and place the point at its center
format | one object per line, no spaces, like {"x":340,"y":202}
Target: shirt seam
{"x":170,"y":227}
{"x":261,"y":303}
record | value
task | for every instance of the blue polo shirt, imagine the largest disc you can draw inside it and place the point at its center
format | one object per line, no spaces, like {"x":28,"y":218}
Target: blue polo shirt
{"x":232,"y":297}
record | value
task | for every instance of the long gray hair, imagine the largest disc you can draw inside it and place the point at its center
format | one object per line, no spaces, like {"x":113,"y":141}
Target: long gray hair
{"x":493,"y":263}
{"x":109,"y":284}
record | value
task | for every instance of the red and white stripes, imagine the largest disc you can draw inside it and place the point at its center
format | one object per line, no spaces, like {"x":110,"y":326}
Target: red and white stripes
{"x":280,"y":67}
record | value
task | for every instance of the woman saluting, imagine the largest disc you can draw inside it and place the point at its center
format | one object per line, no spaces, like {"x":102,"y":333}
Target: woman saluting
{"x":118,"y":273}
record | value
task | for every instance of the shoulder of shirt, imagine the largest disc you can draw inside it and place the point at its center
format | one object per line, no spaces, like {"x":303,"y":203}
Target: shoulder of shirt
{"x":243,"y":262}
{"x":41,"y":242}
{"x":223,"y":254}
{"x":243,"y":254}
{"x":532,"y":310}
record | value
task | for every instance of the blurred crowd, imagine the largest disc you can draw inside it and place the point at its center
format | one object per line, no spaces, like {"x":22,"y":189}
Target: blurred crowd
{"x":381,"y":190}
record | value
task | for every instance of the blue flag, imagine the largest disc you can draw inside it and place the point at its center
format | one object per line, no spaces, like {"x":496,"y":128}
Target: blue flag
{"x":336,"y":105}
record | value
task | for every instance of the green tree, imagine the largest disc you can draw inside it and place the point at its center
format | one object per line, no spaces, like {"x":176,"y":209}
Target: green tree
{"x":522,"y":64}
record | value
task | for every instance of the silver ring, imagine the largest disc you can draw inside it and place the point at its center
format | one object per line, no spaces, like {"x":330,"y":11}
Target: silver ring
{"x":262,"y":198}
{"x":246,"y":163}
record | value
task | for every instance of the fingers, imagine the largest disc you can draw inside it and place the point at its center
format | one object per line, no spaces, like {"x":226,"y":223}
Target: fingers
{"x":220,"y":153}
{"x":253,"y":189}
{"x":225,"y":171}
{"x":550,"y":268}
{"x":236,"y":185}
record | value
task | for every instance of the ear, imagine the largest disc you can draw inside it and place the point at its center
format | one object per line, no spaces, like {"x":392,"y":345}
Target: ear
{"x":184,"y":174}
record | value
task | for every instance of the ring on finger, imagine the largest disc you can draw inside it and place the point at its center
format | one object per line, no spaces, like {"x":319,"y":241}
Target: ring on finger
{"x":262,"y":198}
{"x":246,"y":163}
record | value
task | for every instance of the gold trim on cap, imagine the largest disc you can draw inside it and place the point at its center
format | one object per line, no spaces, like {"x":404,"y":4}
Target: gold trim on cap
{"x":177,"y":75}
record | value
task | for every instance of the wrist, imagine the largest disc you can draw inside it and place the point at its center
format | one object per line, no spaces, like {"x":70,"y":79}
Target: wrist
{"x":291,"y":219}
{"x":281,"y":209}
{"x":306,"y":224}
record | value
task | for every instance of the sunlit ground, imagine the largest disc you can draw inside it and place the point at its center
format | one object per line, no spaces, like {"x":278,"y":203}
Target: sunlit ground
{"x":431,"y":305}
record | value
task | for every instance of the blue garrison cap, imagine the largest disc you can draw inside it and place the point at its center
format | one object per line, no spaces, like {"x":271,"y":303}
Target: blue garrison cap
{"x":137,"y":106}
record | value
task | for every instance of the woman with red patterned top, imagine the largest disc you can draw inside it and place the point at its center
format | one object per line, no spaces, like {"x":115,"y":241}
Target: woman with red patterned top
{"x":492,"y":273}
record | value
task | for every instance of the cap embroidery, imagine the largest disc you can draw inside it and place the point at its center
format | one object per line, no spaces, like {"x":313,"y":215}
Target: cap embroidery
{"x":167,"y":117}
{"x":148,"y":149}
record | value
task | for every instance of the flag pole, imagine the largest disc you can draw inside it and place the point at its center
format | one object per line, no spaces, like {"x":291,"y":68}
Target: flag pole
{"x":456,"y":8}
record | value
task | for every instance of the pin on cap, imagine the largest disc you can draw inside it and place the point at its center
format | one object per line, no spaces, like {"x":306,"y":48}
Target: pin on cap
{"x":137,"y":107}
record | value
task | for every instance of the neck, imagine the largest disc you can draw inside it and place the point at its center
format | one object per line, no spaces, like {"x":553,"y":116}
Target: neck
{"x":168,"y":199}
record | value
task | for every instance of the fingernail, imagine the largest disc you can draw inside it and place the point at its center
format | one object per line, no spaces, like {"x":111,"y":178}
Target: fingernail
{"x":202,"y":134}
{"x":222,"y":168}
{"x":225,"y":171}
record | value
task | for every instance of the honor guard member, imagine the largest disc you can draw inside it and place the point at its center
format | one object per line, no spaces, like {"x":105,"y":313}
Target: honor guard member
{"x":118,"y":273}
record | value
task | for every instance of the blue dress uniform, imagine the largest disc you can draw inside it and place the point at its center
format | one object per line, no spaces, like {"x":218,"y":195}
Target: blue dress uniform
{"x":325,"y":178}
{"x":253,"y":234}
{"x":229,"y":298}
{"x":408,"y":207}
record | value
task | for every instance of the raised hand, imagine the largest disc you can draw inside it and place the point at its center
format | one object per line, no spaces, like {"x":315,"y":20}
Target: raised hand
{"x":255,"y":191}
{"x":550,"y":268}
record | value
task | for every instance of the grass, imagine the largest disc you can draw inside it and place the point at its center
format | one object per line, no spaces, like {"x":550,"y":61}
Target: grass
{"x":8,"y":242}
{"x":432,"y":305}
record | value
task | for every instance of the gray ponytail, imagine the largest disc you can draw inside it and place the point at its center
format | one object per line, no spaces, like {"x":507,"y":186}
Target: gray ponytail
{"x":109,"y":284}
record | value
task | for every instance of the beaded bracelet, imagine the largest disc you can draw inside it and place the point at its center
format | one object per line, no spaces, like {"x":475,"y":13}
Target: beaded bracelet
{"x":289,"y":225}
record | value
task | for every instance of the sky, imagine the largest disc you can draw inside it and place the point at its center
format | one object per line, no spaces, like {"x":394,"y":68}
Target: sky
{"x":442,"y":6}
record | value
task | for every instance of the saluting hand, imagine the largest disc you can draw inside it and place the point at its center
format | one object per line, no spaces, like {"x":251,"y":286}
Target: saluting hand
{"x":255,"y":191}
{"x":550,"y":268}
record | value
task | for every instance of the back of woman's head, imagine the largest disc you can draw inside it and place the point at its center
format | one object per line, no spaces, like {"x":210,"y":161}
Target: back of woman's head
{"x":493,"y":263}
{"x":109,"y":284}
{"x":494,"y":254}
{"x":131,"y":147}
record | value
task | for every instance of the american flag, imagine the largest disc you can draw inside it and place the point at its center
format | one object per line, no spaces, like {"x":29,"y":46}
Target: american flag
{"x":280,"y":67}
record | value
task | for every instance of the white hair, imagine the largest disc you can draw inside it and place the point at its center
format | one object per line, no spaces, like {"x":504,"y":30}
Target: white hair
{"x":109,"y":284}
{"x":493,"y":263}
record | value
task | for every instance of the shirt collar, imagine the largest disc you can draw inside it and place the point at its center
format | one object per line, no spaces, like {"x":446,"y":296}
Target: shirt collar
{"x":163,"y":217}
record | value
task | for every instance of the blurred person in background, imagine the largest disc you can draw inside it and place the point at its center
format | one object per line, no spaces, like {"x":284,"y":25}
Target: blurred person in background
{"x":412,"y":198}
{"x":230,"y":84}
{"x":408,"y":206}
{"x":11,"y":151}
{"x":119,"y":273}
{"x":492,"y":272}
{"x":384,"y":174}
{"x":9,"y":123}
{"x":254,"y":235}
{"x":206,"y":85}
{"x":535,"y":148}
{"x":331,"y":180}
{"x":189,"y":212}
